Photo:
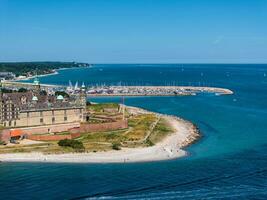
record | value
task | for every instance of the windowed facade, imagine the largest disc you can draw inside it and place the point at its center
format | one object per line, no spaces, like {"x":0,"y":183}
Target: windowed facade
{"x":19,"y":110}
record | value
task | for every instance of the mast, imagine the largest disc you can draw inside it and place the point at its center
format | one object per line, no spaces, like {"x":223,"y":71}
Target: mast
{"x":70,"y":85}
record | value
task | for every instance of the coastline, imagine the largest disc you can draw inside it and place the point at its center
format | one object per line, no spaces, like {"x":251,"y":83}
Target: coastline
{"x":55,"y":72}
{"x":32,"y":77}
{"x":171,"y":147}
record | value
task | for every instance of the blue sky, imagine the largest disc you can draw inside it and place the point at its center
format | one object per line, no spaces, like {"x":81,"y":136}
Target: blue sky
{"x":134,"y":31}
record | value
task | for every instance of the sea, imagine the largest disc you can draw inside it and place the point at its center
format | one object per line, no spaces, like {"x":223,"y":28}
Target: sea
{"x":229,"y":161}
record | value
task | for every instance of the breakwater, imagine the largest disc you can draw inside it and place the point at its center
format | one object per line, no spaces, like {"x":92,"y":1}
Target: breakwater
{"x":126,"y":90}
{"x":154,"y":90}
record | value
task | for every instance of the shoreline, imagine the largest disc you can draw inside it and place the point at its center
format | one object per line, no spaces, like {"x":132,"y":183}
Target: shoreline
{"x":55,"y":72}
{"x":171,"y":147}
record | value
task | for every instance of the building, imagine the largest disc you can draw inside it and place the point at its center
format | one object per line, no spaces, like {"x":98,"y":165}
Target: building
{"x":32,"y":108}
{"x":7,"y":75}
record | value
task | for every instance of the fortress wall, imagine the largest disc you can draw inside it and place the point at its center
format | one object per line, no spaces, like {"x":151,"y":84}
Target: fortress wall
{"x":51,"y":128}
{"x":5,"y":135}
{"x":101,"y":127}
{"x":53,"y":137}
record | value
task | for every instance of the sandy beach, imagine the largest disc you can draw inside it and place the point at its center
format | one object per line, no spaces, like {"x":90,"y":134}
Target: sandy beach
{"x":170,"y":147}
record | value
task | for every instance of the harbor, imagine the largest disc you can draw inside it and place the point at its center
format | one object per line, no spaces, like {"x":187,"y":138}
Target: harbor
{"x":103,"y":90}
{"x":154,"y":91}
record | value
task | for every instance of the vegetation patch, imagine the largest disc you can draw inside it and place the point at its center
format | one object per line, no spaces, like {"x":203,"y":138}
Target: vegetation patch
{"x":102,"y":106}
{"x":161,"y":130}
{"x":116,"y":146}
{"x":140,"y":126}
{"x":75,"y":144}
{"x":30,"y":68}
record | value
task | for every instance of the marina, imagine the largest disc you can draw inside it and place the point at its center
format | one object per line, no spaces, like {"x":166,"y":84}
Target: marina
{"x":154,"y":91}
{"x":124,"y":90}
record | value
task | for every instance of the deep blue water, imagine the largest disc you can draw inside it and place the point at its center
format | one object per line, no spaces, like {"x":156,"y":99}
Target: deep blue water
{"x":229,"y":162}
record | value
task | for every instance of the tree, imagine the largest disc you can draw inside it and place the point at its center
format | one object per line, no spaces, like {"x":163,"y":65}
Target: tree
{"x":75,"y":144}
{"x":116,"y":146}
{"x":22,"y":90}
{"x":4,"y":90}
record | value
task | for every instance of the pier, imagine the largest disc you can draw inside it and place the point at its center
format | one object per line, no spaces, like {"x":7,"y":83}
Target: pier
{"x":154,"y":91}
{"x":125,"y":90}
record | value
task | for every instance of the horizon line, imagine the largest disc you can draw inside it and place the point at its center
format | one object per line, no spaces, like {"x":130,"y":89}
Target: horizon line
{"x":135,"y":63}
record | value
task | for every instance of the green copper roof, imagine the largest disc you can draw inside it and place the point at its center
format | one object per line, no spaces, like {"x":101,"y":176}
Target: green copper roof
{"x":60,"y":97}
{"x":36,"y":81}
{"x":34,"y":98}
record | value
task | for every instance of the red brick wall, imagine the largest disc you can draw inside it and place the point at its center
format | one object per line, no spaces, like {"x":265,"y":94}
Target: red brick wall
{"x":75,"y":135}
{"x":5,"y":135}
{"x":53,"y":128}
{"x":75,"y":129}
{"x":100,"y":127}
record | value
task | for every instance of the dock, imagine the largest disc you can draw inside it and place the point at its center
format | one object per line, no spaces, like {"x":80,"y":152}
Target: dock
{"x":154,"y":91}
{"x":125,"y":90}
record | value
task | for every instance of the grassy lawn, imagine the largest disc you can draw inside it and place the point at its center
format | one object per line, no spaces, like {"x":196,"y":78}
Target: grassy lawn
{"x":103,"y":137}
{"x":161,"y":130}
{"x":101,"y":106}
{"x":140,"y":125}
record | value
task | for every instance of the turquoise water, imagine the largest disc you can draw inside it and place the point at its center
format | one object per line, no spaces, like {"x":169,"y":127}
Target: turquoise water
{"x":230,"y":160}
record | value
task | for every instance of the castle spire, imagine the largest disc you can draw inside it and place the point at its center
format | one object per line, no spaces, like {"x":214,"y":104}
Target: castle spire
{"x":36,"y":84}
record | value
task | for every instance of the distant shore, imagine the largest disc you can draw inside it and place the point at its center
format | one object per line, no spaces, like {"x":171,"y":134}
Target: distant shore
{"x":54,"y":72}
{"x":171,"y":147}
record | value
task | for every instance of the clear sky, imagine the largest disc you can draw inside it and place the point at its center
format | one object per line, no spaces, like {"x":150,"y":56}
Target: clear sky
{"x":134,"y":31}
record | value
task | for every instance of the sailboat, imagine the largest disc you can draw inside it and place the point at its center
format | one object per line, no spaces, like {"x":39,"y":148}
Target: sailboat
{"x":76,"y":87}
{"x":70,"y":87}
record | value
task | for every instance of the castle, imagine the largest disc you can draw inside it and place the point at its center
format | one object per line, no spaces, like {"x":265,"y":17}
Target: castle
{"x":37,"y":108}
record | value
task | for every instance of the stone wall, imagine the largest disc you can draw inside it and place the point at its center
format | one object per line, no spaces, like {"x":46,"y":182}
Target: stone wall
{"x":100,"y":127}
{"x":53,"y":137}
{"x":57,"y":128}
{"x":75,"y":129}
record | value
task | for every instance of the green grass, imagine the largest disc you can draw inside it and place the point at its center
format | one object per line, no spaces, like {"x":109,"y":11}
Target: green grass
{"x":140,"y":125}
{"x":161,"y":130}
{"x":108,"y":137}
{"x":101,"y":106}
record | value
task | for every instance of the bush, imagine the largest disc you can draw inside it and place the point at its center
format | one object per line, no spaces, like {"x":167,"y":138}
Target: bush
{"x":116,"y":146}
{"x":149,"y":143}
{"x":75,"y":144}
{"x":22,"y":90}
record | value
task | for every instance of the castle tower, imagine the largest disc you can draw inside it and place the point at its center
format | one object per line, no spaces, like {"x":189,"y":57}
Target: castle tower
{"x":36,"y":85}
{"x":83,"y":96}
{"x":83,"y":101}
